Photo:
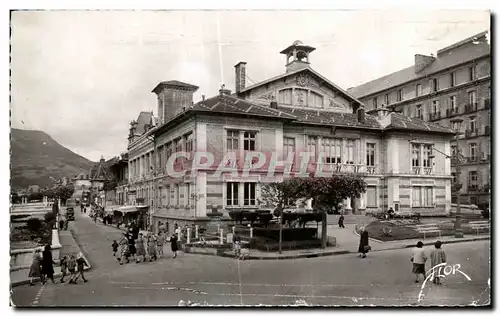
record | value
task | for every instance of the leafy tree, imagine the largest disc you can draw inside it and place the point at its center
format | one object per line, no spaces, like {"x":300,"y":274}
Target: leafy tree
{"x":65,"y":192}
{"x":50,"y":217}
{"x":14,"y":197}
{"x":328,"y":193}
{"x":49,"y":193}
{"x":281,"y":194}
{"x":34,"y":224}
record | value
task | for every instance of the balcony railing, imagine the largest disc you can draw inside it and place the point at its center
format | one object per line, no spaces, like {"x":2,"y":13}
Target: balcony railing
{"x":434,"y":116}
{"x":452,"y":111}
{"x":427,"y":170}
{"x":487,"y":104}
{"x":470,"y":133}
{"x":472,"y":187}
{"x":416,"y":170}
{"x":472,"y":107}
{"x":472,"y":159}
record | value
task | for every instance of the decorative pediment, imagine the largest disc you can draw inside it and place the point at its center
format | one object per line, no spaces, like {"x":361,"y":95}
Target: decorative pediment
{"x":333,"y":104}
{"x":267,"y":96}
{"x":303,"y":80}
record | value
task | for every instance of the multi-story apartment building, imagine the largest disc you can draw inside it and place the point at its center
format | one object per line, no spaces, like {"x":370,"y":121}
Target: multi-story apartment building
{"x":452,"y":89}
{"x":296,"y":112}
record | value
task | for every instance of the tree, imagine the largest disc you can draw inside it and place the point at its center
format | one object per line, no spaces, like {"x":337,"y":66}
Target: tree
{"x":34,"y":224}
{"x":35,"y":196}
{"x":49,"y":193}
{"x":14,"y":197}
{"x":328,"y":193}
{"x":65,"y":192}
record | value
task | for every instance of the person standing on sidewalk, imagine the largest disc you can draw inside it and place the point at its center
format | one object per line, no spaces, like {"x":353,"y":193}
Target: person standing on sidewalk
{"x":114,"y":245}
{"x":140,"y":250}
{"x":47,"y":265}
{"x":419,"y":258}
{"x":64,"y":268}
{"x":72,"y":268}
{"x":341,"y":221}
{"x":173,"y":245}
{"x":80,"y":263}
{"x":35,"y":269}
{"x":364,"y":245}
{"x":159,"y":245}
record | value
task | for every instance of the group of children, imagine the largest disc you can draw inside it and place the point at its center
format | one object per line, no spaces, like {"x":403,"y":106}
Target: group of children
{"x":144,"y":248}
{"x":73,"y":266}
{"x":419,"y":258}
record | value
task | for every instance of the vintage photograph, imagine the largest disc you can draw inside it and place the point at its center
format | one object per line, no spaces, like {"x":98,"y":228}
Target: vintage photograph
{"x":203,"y":158}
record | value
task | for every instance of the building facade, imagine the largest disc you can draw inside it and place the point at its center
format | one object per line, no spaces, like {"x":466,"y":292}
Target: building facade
{"x":452,"y":89}
{"x":280,"y":119}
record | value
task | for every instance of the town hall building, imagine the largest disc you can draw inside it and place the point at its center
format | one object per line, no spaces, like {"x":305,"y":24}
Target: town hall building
{"x":297,"y":111}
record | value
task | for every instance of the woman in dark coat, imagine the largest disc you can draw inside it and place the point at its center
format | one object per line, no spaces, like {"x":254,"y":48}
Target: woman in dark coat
{"x":173,"y":245}
{"x":363,"y":242}
{"x":47,"y":264}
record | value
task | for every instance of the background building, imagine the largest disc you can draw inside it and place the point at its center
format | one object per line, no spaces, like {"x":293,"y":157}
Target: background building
{"x":452,"y":89}
{"x":297,"y":111}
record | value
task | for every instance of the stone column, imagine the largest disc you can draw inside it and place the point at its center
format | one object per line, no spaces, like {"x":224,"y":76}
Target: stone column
{"x":196,"y":227}
{"x":188,"y":235}
{"x":309,"y":204}
{"x":221,"y":237}
{"x":251,"y":232}
{"x":362,"y":201}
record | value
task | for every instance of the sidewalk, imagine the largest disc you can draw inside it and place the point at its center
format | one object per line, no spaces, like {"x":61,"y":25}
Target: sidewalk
{"x":347,"y":242}
{"x":69,"y":246}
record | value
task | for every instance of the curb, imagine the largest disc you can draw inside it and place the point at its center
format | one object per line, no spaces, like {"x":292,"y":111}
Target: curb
{"x":56,"y":275}
{"x":453,"y":241}
{"x":288,"y":257}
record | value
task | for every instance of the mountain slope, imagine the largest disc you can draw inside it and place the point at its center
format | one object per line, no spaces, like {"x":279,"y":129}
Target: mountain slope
{"x":35,"y":156}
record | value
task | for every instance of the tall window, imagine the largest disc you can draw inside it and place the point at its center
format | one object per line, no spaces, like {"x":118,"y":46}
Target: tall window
{"x":371,"y":196}
{"x":472,"y":73}
{"x":422,"y":196}
{"x":178,"y":194}
{"x":332,"y":150}
{"x":350,"y":151}
{"x":473,"y":124}
{"x":415,"y":155}
{"x":473,"y":179}
{"x":400,"y":95}
{"x":315,"y":100}
{"x":249,"y":193}
{"x":435,"y":106}
{"x":232,"y":193}
{"x":387,"y":100}
{"x":189,"y":142}
{"x":160,"y":157}
{"x":427,"y":153}
{"x":418,"y":111}
{"x":233,"y":140}
{"x":452,"y":79}
{"x":456,"y":125}
{"x":249,"y":140}
{"x":472,"y":97}
{"x":434,"y":85}
{"x":418,"y":90}
{"x":370,"y":154}
{"x":375,"y":104}
{"x":473,"y":151}
{"x":178,"y":145}
{"x":288,"y":146}
{"x":453,"y":103}
{"x":169,"y":150}
{"x":285,"y":96}
{"x":311,"y":145}
{"x":188,"y":194}
{"x":453,"y":150}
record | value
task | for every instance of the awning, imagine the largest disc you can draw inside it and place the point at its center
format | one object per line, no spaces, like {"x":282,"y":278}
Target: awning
{"x":111,"y":208}
{"x":127,"y":209}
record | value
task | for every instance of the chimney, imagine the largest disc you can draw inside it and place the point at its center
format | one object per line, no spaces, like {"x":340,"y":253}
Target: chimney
{"x":422,"y":61}
{"x":274,"y":105}
{"x":240,"y":75}
{"x":224,"y":91}
{"x":361,"y":114}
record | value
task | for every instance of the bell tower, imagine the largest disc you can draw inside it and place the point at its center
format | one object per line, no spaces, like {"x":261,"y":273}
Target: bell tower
{"x":297,"y":56}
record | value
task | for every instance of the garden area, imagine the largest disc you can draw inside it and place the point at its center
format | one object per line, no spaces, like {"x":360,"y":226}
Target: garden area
{"x":399,"y":229}
{"x":30,"y":232}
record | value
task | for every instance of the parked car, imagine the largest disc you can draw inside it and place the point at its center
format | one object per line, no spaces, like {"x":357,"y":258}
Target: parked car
{"x":70,"y":209}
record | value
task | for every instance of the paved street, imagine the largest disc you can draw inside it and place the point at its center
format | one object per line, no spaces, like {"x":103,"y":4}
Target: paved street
{"x":384,"y":278}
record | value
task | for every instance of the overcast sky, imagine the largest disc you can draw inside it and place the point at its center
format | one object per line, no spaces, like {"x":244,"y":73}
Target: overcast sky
{"x":82,"y":76}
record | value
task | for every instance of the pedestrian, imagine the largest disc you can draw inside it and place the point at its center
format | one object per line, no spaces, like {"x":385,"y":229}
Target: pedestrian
{"x":61,"y":222}
{"x":72,"y":268}
{"x":237,"y":246}
{"x":419,"y":258}
{"x":364,"y":245}
{"x":341,"y":221}
{"x":438,"y":256}
{"x":139,"y":248}
{"x":131,"y":247}
{"x":80,"y":264}
{"x":47,"y":265}
{"x":114,"y":245}
{"x":173,"y":245}
{"x":123,"y":251}
{"x":35,"y":269}
{"x":64,"y":268}
{"x":159,"y":245}
{"x":151,"y":248}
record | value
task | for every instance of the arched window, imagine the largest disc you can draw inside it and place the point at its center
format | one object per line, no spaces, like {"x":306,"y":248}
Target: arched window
{"x":315,"y":100}
{"x":285,"y":96}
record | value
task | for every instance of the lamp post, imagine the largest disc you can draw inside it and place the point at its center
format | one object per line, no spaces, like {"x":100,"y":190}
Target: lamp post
{"x":458,"y":216}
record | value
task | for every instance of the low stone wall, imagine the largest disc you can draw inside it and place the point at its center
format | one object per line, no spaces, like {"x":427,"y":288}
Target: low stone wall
{"x":23,"y":258}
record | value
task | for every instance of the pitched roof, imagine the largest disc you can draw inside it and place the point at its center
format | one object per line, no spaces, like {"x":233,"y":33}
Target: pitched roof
{"x":401,"y":122}
{"x":446,"y":58}
{"x":233,"y":105}
{"x":175,"y":83}
{"x":312,"y":71}
{"x":145,"y":118}
{"x":99,"y":172}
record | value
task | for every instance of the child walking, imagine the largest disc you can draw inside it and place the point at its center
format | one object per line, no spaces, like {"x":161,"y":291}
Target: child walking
{"x":80,"y":262}
{"x":437,"y":257}
{"x":114,"y":245}
{"x":72,"y":269}
{"x":419,"y":258}
{"x":64,"y":267}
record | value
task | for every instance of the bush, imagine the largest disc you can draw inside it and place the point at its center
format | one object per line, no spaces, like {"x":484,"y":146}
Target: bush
{"x":34,"y":225}
{"x":50,"y":217}
{"x":289,"y":234}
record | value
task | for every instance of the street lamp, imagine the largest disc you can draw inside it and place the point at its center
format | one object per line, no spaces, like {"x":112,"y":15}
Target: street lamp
{"x":458,"y":216}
